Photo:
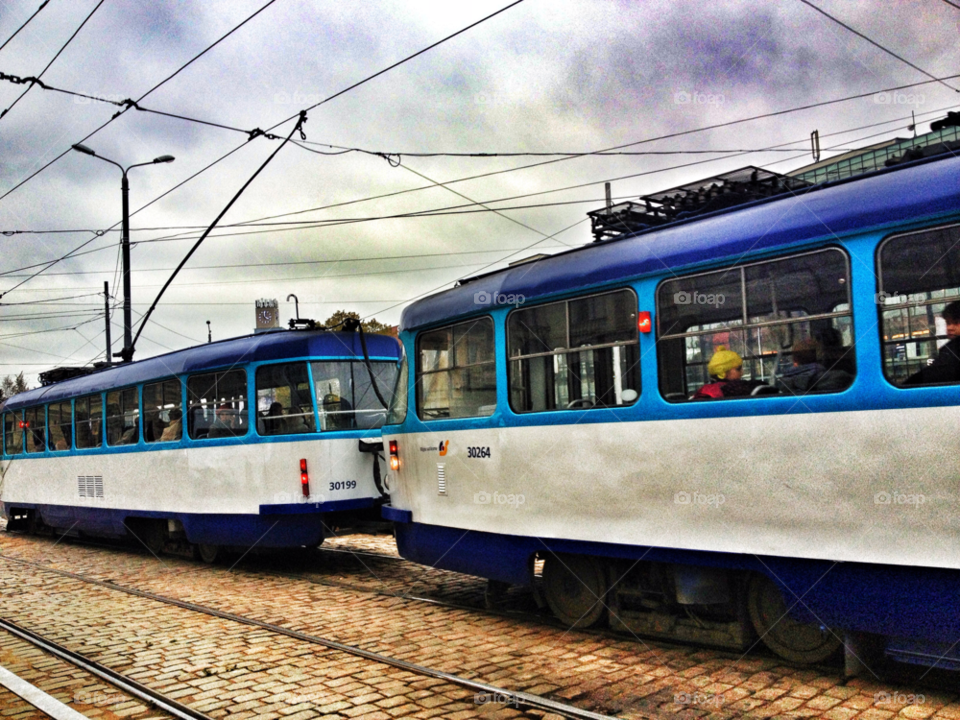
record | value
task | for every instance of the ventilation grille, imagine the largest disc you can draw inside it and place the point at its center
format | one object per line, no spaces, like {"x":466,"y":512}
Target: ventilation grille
{"x":90,"y":486}
{"x":441,"y":479}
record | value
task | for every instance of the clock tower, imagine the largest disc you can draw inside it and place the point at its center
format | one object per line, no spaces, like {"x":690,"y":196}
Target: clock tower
{"x":268,"y":316}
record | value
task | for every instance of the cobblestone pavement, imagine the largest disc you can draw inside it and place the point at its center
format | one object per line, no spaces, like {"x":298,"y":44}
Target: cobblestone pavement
{"x":67,"y":683}
{"x":230,"y":670}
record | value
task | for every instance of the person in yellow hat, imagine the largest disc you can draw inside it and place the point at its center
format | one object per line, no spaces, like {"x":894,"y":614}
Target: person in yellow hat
{"x":726,"y":370}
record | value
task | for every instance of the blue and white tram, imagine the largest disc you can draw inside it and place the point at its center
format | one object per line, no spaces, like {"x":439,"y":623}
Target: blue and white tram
{"x":548,"y":415}
{"x":249,"y":442}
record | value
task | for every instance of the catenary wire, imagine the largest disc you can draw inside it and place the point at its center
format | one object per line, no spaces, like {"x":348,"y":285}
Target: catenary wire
{"x":15,"y":32}
{"x":62,"y":48}
{"x":874,"y":43}
{"x":341,"y":92}
{"x":421,"y":214}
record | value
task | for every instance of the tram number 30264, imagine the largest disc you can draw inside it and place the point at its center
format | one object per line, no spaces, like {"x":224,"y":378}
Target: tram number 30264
{"x":343,"y":485}
{"x":478,"y":452}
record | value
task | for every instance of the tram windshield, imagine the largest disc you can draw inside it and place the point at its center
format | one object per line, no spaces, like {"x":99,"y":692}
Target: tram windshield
{"x":345,"y":395}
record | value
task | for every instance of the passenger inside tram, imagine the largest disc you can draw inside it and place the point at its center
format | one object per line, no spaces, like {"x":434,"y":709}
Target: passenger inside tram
{"x":809,"y":373}
{"x":945,"y":367}
{"x":174,"y":430}
{"x":224,"y":424}
{"x":726,"y":371}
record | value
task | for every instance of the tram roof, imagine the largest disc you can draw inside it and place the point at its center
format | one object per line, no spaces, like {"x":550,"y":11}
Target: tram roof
{"x":213,"y":356}
{"x":924,"y":188}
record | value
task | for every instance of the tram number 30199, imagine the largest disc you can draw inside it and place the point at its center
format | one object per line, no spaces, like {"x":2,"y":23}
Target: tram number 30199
{"x":343,"y":485}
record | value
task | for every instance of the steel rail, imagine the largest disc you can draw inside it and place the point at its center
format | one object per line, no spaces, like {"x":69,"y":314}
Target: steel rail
{"x":511,"y":697}
{"x":128,"y":685}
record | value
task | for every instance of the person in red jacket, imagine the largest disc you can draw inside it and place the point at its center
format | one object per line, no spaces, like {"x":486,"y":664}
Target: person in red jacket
{"x":726,"y":369}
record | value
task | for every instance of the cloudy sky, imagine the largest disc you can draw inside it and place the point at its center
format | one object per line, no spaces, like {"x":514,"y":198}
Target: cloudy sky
{"x":543,"y":76}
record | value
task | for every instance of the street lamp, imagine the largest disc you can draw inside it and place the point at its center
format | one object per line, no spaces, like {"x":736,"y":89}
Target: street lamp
{"x":127,"y":352}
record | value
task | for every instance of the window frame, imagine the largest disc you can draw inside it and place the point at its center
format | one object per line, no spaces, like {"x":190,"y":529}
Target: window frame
{"x":189,"y":405}
{"x":181,"y":386}
{"x":35,"y":411}
{"x":106,"y":405}
{"x":745,"y":326}
{"x":883,"y":307}
{"x":567,"y":350}
{"x":419,"y":372}
{"x":258,"y":419}
{"x":76,"y":431}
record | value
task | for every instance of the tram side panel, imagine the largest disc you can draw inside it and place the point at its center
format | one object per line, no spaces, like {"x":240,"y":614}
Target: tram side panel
{"x":239,"y":493}
{"x":814,"y":485}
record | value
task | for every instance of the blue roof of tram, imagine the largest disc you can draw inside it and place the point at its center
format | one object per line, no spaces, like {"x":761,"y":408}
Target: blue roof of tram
{"x":214,"y":356}
{"x":924,"y":188}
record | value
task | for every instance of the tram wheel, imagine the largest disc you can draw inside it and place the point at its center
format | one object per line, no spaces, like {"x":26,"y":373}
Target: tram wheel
{"x":804,"y":643}
{"x":208,"y":553}
{"x":575,"y":586}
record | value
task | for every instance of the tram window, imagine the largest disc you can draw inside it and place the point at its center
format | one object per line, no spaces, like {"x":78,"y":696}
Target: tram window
{"x":162,"y":411}
{"x":345,"y":396}
{"x":575,"y":354}
{"x":284,"y":400}
{"x":13,"y":433}
{"x":59,"y":426}
{"x":35,"y":420}
{"x":919,"y":275}
{"x":398,"y":402}
{"x":217,"y":405}
{"x":123,"y":417}
{"x":88,"y":421}
{"x":456,"y":371}
{"x":766,"y":312}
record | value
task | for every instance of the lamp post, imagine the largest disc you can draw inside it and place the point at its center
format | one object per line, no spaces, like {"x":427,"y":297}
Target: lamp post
{"x":127,"y":352}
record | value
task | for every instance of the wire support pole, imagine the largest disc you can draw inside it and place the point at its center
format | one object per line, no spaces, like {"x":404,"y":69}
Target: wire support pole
{"x":106,"y":318}
{"x":125,"y":253}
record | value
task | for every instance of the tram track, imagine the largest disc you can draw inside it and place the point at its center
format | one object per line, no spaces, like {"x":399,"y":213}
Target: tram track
{"x":518,"y":699}
{"x":89,"y":684}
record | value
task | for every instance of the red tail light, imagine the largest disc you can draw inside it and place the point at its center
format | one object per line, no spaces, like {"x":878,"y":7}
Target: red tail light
{"x":24,"y":424}
{"x":304,"y":478}
{"x":394,"y":455}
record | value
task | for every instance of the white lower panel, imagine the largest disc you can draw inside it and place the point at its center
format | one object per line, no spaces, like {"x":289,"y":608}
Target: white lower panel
{"x":873,"y":486}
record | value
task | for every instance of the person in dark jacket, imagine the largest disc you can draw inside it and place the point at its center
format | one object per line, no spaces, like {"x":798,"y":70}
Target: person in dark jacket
{"x":808,"y":374}
{"x":946,"y":366}
{"x":726,"y":369}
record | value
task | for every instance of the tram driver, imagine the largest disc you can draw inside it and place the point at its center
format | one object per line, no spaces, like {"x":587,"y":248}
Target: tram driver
{"x":726,"y":371}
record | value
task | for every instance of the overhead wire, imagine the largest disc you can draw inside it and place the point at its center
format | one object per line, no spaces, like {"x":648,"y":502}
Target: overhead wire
{"x":62,"y":48}
{"x":252,"y":136}
{"x":887,"y":50}
{"x":427,"y":213}
{"x":17,"y":31}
